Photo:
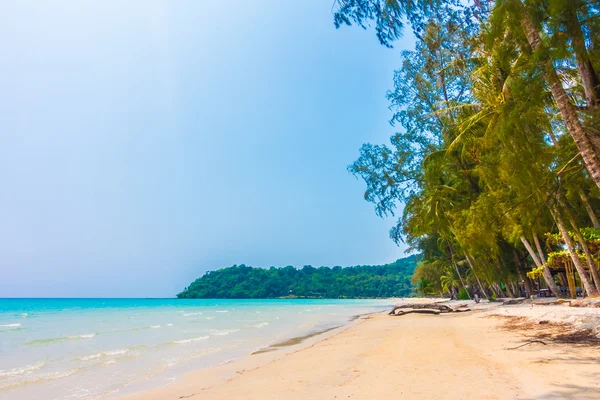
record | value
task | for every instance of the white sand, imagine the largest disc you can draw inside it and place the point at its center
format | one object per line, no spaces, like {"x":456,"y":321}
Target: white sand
{"x":452,"y":356}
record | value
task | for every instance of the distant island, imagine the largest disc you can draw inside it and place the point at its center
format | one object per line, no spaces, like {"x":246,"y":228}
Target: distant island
{"x":362,"y":281}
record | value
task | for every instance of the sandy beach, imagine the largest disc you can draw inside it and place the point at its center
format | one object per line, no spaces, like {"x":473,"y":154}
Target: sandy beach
{"x":493,"y":352}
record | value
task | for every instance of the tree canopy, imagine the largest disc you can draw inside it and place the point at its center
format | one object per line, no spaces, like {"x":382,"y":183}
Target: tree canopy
{"x":498,"y":143}
{"x":364,"y":281}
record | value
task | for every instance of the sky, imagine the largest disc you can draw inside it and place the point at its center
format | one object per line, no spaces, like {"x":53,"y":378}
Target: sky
{"x":145,"y":142}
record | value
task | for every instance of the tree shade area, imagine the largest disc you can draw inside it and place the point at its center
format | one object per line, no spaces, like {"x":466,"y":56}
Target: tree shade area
{"x":497,"y":156}
{"x":364,"y":281}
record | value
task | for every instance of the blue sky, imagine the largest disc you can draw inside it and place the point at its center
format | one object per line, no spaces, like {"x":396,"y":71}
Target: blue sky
{"x":145,"y":142}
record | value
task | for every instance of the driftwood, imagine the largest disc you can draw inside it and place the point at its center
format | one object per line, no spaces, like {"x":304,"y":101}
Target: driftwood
{"x":526,"y":343}
{"x":546,"y":303}
{"x":513,"y":302}
{"x":424,"y":308}
{"x":434,"y":312}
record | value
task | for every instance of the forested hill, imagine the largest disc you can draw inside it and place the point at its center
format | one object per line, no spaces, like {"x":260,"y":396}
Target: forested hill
{"x":243,"y":282}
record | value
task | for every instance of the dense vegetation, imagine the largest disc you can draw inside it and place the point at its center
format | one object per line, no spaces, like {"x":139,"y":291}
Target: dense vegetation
{"x":242,"y":282}
{"x":497,"y":159}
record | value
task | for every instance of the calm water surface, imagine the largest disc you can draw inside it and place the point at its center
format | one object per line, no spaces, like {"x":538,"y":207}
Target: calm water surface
{"x":104,"y":348}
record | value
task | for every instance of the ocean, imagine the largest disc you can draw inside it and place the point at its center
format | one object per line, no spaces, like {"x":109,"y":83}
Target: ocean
{"x":105,"y":348}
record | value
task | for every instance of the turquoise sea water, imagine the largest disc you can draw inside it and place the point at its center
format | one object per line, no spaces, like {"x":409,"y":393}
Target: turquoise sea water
{"x":104,"y":348}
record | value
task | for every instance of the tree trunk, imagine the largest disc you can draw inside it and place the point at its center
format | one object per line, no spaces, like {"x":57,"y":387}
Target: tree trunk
{"x":567,"y":111}
{"x":509,"y":290}
{"x":539,"y":249}
{"x":589,"y":78}
{"x":499,"y":292}
{"x":522,"y":274}
{"x":546,"y":272}
{"x":526,"y":282}
{"x":590,"y":211}
{"x":590,"y":261}
{"x":591,"y":290}
{"x":461,"y":280}
{"x":476,"y":277}
{"x":456,"y":267}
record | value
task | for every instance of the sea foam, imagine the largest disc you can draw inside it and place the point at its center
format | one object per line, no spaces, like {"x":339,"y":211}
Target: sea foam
{"x":183,"y":341}
{"x":223,"y":332}
{"x":10,"y":325}
{"x":84,"y":336}
{"x":118,"y":352}
{"x":41,"y":378}
{"x":21,"y":371}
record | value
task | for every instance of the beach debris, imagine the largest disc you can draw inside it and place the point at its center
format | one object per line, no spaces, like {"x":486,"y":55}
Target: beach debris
{"x":547,"y":303}
{"x":423,"y":311}
{"x":424,"y":308}
{"x":527,"y":343}
{"x":513,"y":302}
{"x":590,"y":302}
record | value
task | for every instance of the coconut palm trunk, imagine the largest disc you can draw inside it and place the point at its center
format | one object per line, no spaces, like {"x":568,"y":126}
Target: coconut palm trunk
{"x":589,"y":78}
{"x":476,"y":277}
{"x":567,"y":110}
{"x":451,"y":248}
{"x":590,"y":211}
{"x":591,"y":290}
{"x":545,"y":272}
{"x":588,"y":255}
{"x":522,"y":274}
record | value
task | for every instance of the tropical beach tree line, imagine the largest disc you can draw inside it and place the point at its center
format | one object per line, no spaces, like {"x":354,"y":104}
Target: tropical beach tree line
{"x":365,"y":281}
{"x":495,"y":169}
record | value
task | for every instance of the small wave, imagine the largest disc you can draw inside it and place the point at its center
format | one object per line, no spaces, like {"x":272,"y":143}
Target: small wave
{"x":222,"y":311}
{"x":262,"y":324}
{"x":183,"y":341}
{"x":24,"y":315}
{"x":155,"y":326}
{"x":42,"y":378}
{"x":223,"y":332}
{"x":61,"y":339}
{"x":21,"y":371}
{"x":118,"y":352}
{"x":84,"y":336}
{"x":192,"y":314}
{"x":210,"y":317}
{"x":169,"y":324}
{"x":91,"y":357}
{"x":10,"y":325}
{"x":110,"y":353}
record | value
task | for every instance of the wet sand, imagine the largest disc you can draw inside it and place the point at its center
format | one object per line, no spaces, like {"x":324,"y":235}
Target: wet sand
{"x":452,"y":356}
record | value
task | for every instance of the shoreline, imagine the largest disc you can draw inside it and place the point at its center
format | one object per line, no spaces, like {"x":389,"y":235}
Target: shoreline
{"x":475,"y":354}
{"x":206,"y":378}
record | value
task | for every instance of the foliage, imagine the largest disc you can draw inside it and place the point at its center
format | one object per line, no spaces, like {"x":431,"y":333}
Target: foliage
{"x":243,"y":282}
{"x":536,"y":272}
{"x":487,"y":156}
{"x":463,"y":295}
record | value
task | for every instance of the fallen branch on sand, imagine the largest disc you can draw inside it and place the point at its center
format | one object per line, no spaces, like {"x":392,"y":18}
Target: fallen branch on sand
{"x":525,"y":344}
{"x":423,"y":308}
{"x":434,"y":312}
{"x":513,"y":302}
